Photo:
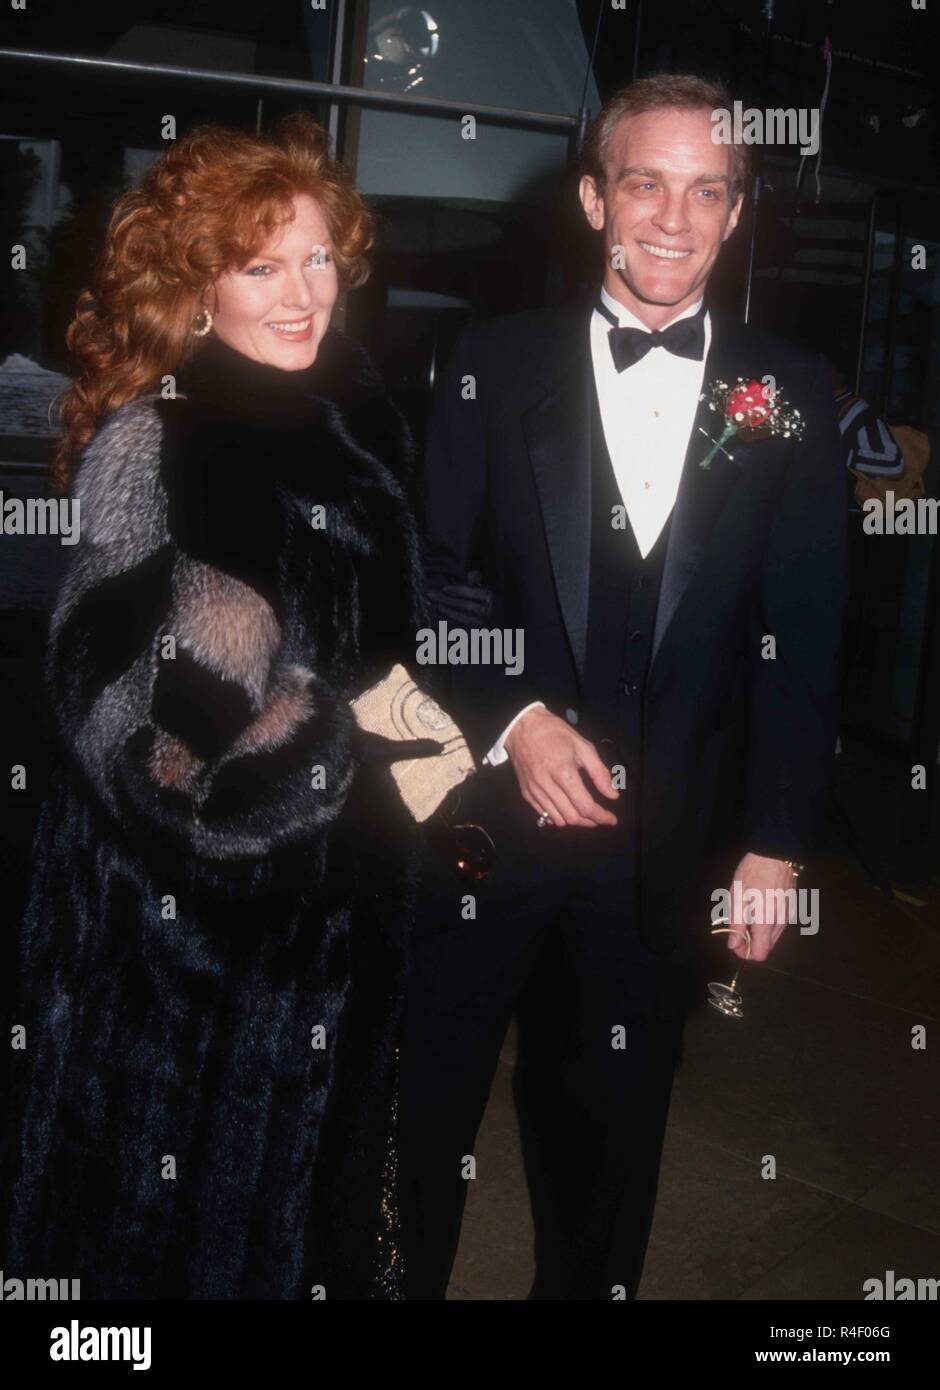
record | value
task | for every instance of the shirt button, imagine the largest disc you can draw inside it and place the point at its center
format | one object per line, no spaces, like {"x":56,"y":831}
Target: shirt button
{"x":630,"y":687}
{"x":635,"y":636}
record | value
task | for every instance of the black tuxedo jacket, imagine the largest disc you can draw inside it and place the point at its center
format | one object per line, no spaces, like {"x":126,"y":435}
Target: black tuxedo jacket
{"x":757,"y":548}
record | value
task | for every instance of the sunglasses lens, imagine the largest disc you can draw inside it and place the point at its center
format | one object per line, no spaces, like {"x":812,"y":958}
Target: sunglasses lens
{"x":726,"y":1000}
{"x":474,"y":852}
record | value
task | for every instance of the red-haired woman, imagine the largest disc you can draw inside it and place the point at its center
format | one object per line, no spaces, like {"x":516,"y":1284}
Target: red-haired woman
{"x":212,"y":955}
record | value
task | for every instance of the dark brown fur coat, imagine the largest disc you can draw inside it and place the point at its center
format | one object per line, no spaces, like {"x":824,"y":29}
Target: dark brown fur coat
{"x":213,"y":952}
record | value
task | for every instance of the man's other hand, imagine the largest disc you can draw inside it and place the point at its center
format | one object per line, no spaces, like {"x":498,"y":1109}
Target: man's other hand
{"x":548,"y":758}
{"x":766,"y":875}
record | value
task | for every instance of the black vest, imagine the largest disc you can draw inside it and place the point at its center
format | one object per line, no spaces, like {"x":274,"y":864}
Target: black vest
{"x":623,"y":594}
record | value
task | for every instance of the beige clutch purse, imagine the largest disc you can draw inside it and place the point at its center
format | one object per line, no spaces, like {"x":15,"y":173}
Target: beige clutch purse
{"x":398,"y":710}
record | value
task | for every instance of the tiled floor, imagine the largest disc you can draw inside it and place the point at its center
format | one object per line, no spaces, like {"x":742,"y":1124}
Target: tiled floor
{"x":820,"y":1074}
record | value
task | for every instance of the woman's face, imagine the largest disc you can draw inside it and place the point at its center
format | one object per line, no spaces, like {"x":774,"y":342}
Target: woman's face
{"x":277,"y":307}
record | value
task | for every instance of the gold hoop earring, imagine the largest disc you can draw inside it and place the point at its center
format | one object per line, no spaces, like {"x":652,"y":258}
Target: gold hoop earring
{"x":201,"y":332}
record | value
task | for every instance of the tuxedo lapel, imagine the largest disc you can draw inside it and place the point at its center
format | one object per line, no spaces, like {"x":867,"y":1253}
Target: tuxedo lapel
{"x":702,"y":492}
{"x":557,"y":429}
{"x":557,"y":435}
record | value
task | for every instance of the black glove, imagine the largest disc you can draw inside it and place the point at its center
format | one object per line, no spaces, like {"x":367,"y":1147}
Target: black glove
{"x":376,"y":748}
{"x":468,"y":603}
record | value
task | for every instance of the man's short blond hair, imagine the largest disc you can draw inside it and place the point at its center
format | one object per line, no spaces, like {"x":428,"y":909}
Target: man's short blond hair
{"x":662,"y":91}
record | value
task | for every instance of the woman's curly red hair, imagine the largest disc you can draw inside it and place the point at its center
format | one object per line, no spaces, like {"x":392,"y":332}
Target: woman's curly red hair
{"x":207,"y":206}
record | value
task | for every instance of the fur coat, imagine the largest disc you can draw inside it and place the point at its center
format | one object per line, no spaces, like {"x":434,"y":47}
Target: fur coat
{"x":213,"y":951}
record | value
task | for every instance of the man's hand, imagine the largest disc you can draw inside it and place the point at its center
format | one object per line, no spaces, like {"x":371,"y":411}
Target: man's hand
{"x":755,"y":871}
{"x":547,"y":757}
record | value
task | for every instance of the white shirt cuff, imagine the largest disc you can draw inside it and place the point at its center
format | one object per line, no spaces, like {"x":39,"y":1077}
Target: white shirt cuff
{"x":497,"y":753}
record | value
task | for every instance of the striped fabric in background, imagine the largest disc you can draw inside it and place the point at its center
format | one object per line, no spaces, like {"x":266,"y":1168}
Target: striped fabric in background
{"x":870,"y":445}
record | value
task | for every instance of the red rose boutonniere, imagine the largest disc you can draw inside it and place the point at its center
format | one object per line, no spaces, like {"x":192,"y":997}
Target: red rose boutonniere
{"x":752,"y":410}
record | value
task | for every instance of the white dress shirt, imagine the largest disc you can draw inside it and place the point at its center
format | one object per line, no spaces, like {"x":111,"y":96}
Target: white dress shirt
{"x":647,"y":412}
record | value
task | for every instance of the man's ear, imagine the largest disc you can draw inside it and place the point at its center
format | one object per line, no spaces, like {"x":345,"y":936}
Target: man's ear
{"x":592,"y":202}
{"x":733,"y":217}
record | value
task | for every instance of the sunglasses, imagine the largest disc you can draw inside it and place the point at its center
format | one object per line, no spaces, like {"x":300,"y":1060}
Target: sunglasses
{"x":727,"y":998}
{"x":469,"y":847}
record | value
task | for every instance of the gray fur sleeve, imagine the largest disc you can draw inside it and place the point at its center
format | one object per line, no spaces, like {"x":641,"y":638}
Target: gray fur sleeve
{"x":168,"y":677}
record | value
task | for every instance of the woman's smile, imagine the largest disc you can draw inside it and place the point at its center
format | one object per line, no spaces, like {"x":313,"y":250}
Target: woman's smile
{"x":292,"y":330}
{"x":286,"y":292}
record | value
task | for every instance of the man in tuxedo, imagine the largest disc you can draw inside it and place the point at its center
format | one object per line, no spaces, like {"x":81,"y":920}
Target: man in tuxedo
{"x":682,"y":651}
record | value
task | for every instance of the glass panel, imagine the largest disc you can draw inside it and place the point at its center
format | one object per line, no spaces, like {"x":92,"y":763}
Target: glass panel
{"x":530,"y":54}
{"x":892,"y":572}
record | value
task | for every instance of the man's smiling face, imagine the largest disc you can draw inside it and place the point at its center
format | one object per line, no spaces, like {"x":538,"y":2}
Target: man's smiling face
{"x":667,"y":203}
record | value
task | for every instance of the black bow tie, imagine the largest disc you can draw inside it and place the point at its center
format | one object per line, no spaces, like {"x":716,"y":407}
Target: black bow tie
{"x":685,"y":338}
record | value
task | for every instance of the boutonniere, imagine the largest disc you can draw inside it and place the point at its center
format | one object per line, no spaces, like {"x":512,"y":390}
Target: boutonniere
{"x":752,"y":410}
